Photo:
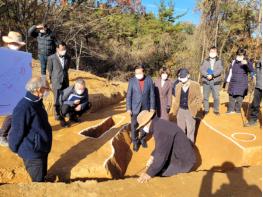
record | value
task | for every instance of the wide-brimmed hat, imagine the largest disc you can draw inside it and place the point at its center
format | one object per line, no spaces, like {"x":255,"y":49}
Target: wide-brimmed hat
{"x":13,"y":37}
{"x":144,"y":117}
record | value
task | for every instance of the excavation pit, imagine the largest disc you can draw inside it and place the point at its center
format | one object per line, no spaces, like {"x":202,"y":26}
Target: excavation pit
{"x":98,"y":130}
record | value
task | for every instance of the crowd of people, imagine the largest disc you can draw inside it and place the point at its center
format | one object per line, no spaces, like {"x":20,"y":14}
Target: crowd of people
{"x":168,"y":109}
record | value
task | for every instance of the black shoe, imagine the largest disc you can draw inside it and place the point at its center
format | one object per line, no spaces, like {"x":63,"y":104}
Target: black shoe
{"x":63,"y":123}
{"x":250,"y":124}
{"x":144,"y":144}
{"x":135,"y":147}
{"x":217,"y":113}
{"x":205,"y":113}
{"x":74,"y":119}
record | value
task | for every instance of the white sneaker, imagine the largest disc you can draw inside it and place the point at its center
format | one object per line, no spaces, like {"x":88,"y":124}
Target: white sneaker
{"x":3,"y":142}
{"x":230,"y":112}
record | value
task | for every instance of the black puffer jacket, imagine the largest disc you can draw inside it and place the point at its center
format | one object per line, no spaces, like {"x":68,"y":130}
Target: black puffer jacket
{"x":46,"y":41}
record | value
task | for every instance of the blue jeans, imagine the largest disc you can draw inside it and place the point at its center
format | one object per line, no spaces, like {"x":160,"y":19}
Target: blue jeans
{"x":43,"y":62}
{"x":36,"y":168}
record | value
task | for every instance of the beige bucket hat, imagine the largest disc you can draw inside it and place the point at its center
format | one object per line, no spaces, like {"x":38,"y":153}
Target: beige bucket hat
{"x":13,"y":37}
{"x":144,"y":117}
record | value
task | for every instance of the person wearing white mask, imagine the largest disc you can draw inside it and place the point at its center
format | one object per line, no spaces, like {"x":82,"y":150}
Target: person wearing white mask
{"x":13,"y":41}
{"x":163,"y":94}
{"x":75,"y":101}
{"x":237,"y":80}
{"x":46,"y":42}
{"x":173,"y":152}
{"x":212,"y":71}
{"x":186,"y":104}
{"x":140,"y":96}
{"x":31,"y":134}
{"x":58,"y":65}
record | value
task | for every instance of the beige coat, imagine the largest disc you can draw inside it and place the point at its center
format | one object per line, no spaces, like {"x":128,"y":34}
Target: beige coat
{"x":194,"y":99}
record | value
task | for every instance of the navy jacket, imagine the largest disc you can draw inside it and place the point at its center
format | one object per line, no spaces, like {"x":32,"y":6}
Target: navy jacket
{"x":31,"y":134}
{"x":84,"y":101}
{"x":238,"y":85}
{"x":137,"y":100}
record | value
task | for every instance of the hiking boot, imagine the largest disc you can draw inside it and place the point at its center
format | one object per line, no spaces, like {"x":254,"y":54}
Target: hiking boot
{"x":144,"y":144}
{"x":135,"y":147}
{"x":251,"y":124}
{"x":3,"y":142}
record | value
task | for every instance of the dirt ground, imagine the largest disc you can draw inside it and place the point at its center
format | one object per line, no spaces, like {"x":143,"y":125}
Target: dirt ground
{"x":87,"y":158}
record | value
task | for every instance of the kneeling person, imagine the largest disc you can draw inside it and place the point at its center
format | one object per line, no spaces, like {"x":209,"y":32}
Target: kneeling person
{"x":173,"y":151}
{"x":75,"y":101}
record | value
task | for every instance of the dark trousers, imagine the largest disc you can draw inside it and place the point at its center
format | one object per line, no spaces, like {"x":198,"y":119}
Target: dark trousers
{"x":134,"y":131}
{"x":36,"y":168}
{"x":43,"y":63}
{"x":6,"y":126}
{"x":235,"y":103}
{"x":57,"y":103}
{"x":67,"y":109}
{"x":255,"y":105}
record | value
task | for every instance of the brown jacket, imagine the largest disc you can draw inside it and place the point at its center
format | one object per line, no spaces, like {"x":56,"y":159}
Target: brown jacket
{"x":194,"y":99}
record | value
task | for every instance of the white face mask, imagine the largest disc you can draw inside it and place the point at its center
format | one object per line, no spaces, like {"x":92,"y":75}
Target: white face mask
{"x":239,"y":58}
{"x":146,"y":129}
{"x":212,"y":55}
{"x":62,"y":53}
{"x":42,"y":31}
{"x":45,"y":94}
{"x":183,"y":80}
{"x":139,"y":76}
{"x":13,"y":47}
{"x":164,"y":76}
{"x":79,"y":92}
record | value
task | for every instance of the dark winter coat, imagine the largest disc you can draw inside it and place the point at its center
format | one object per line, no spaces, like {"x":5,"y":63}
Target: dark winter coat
{"x":238,"y":84}
{"x":173,"y":151}
{"x":46,"y":42}
{"x":31,"y":134}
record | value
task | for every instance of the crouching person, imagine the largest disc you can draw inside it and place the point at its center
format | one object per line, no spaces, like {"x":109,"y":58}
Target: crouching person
{"x":31,"y":134}
{"x":75,"y":101}
{"x":173,"y":151}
